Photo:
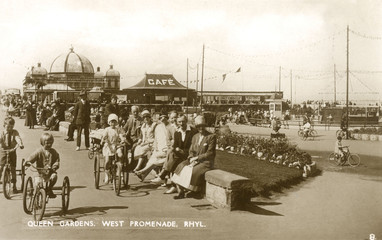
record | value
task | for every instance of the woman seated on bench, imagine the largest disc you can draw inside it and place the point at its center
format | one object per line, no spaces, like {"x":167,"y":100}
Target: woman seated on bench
{"x":201,"y":159}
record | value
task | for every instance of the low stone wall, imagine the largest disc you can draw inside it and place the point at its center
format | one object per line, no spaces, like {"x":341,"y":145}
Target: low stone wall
{"x":367,"y":137}
{"x":227,"y":190}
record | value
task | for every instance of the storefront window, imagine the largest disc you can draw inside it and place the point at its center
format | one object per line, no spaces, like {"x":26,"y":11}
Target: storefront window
{"x":161,"y":98}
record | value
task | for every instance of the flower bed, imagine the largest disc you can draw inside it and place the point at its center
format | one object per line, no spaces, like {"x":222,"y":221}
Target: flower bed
{"x":277,"y":151}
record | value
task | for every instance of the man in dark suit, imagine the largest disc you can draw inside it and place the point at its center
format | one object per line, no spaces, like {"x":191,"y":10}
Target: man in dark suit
{"x":132,"y":128}
{"x":182,"y":142}
{"x":81,"y":118}
{"x":110,"y":108}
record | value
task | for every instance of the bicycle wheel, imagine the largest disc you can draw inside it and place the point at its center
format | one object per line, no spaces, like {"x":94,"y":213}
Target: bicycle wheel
{"x":125,"y":173}
{"x":300,"y":133}
{"x":341,"y":133}
{"x":354,"y":160}
{"x":96,"y":171}
{"x":313,"y":134}
{"x":28,"y":196}
{"x":65,"y":194}
{"x":333,"y":159}
{"x":117,"y":180}
{"x":39,"y":203}
{"x":7,"y":183}
{"x":22,"y":174}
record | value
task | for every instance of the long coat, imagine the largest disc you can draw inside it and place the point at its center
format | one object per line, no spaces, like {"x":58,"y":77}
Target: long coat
{"x":81,"y":113}
{"x":30,"y":113}
{"x":205,"y":151}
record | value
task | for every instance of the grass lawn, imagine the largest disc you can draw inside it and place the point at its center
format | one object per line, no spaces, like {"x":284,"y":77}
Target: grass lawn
{"x":265,"y":176}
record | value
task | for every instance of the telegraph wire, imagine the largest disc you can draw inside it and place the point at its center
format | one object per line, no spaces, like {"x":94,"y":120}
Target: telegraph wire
{"x":365,"y":36}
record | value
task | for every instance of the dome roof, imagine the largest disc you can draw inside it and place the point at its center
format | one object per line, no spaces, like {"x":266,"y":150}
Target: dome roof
{"x":38,"y":70}
{"x":29,"y":73}
{"x":71,"y":63}
{"x":99,"y":74}
{"x":112,"y":73}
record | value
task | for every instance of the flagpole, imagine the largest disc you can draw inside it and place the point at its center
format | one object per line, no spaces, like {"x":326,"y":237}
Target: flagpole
{"x":197,"y":83}
{"x":187,"y":90}
{"x":280,"y":79}
{"x":201,"y":84}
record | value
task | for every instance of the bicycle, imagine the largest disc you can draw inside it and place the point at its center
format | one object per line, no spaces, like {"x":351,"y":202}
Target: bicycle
{"x":351,"y":158}
{"x":119,"y":172}
{"x":304,"y":136}
{"x":342,"y":133}
{"x":7,"y":176}
{"x":35,"y":200}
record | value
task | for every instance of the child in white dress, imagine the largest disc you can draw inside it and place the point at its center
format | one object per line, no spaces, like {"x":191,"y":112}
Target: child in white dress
{"x":112,"y":137}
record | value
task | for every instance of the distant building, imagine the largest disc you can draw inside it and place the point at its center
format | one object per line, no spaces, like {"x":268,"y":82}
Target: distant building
{"x":159,"y":89}
{"x":69,"y":74}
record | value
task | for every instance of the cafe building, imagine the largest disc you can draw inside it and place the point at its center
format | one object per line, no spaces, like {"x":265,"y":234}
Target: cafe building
{"x":159,"y":89}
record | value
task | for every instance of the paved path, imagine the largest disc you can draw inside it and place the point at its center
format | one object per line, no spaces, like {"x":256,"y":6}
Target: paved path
{"x":331,"y":206}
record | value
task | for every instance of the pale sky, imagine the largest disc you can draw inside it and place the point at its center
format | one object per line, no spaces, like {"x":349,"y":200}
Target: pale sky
{"x":305,"y":37}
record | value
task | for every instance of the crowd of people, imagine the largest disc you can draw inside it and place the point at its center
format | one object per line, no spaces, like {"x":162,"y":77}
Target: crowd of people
{"x":167,"y":144}
{"x":256,"y":117}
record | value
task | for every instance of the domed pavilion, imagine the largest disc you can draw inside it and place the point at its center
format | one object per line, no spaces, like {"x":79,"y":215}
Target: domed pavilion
{"x":69,"y":74}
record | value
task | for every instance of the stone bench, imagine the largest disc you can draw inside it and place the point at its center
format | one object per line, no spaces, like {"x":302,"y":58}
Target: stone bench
{"x":227,"y":190}
{"x":63,"y":127}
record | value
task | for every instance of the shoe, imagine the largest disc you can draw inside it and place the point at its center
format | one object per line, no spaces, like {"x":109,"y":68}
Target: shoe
{"x":164,"y":184}
{"x":139,"y":175}
{"x":195,"y":195}
{"x":171,"y":190}
{"x":77,"y":148}
{"x":179,"y":196}
{"x":14,"y":191}
{"x":69,"y":139}
{"x":46,"y":129}
{"x":157,"y":180}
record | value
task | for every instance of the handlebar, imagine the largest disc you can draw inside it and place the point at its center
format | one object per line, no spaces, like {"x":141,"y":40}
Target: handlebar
{"x":27,"y":165}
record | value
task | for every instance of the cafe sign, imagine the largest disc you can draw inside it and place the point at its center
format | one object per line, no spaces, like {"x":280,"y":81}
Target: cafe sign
{"x":160,"y":82}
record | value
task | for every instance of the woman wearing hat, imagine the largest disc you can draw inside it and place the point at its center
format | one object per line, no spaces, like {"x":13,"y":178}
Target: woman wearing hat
{"x":201,"y":158}
{"x":161,"y":146}
{"x":144,"y":145}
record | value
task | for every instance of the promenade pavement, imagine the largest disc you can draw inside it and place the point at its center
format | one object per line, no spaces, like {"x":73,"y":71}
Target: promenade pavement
{"x":330,"y":206}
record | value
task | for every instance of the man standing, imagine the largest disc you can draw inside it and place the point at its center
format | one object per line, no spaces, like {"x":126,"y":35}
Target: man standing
{"x":82,"y":119}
